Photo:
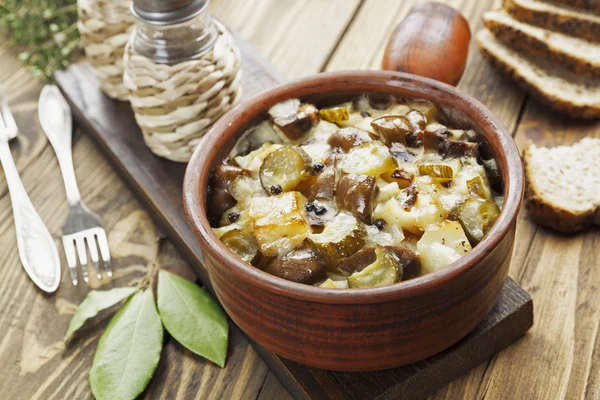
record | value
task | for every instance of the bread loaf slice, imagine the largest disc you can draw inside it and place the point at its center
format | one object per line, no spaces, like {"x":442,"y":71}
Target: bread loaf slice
{"x":584,"y":25}
{"x":578,"y":55}
{"x":566,"y":92}
{"x":584,"y":5}
{"x":563,"y":185}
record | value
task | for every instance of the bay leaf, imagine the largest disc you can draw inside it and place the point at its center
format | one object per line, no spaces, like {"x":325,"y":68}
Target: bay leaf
{"x":128,"y":351}
{"x":94,"y":302}
{"x":192,"y":317}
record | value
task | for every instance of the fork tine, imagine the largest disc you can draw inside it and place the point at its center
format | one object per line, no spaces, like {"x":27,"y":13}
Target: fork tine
{"x":71,"y":258}
{"x":104,"y":252}
{"x":81,"y":251}
{"x":91,"y":242}
{"x":7,"y":116}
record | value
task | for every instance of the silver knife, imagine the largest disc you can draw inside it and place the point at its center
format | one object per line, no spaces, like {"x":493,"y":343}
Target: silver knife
{"x":37,"y":249}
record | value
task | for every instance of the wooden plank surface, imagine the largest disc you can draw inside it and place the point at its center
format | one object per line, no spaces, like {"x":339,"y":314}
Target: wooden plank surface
{"x":557,"y":359}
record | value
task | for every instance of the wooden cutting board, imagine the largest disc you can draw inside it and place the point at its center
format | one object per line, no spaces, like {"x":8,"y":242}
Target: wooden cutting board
{"x":158,"y":184}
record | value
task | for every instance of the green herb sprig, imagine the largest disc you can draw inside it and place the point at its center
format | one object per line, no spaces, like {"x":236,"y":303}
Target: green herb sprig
{"x":47,"y":29}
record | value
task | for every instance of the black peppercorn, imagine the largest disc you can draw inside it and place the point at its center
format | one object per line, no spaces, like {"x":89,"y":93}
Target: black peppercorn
{"x":276,"y":189}
{"x":318,"y":167}
{"x":379,"y":223}
{"x":233,"y":216}
{"x":310,"y":207}
{"x":320,"y":210}
{"x":365,"y":114}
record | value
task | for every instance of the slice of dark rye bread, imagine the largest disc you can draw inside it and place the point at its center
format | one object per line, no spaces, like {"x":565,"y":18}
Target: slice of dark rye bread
{"x":581,"y":24}
{"x":563,"y":185}
{"x":575,"y":95}
{"x":583,"y":5}
{"x":578,"y":55}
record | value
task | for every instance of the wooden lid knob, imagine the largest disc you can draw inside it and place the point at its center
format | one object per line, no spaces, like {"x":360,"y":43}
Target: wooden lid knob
{"x":432,"y":41}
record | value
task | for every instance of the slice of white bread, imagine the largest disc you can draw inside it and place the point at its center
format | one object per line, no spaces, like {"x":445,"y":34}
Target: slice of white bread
{"x":563,"y":185}
{"x":582,"y":24}
{"x":584,"y":5}
{"x":578,"y":55}
{"x":575,"y":95}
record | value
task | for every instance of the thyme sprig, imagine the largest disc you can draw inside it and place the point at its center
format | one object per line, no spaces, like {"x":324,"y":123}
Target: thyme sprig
{"x":46,"y":30}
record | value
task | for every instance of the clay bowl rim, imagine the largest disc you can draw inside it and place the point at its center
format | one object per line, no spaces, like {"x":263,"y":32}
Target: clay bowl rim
{"x":229,"y":126}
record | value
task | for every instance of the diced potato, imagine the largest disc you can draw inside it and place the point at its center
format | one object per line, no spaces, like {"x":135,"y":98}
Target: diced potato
{"x":279,"y":224}
{"x":441,"y":245}
{"x":358,"y":120}
{"x":387,"y":190}
{"x":372,"y":158}
{"x":253,"y":160}
{"x":335,"y":114}
{"x":412,"y":215}
{"x":384,"y":271}
{"x":331,"y":284}
{"x":244,"y":189}
{"x":342,"y":237}
{"x":323,"y":131}
{"x":284,"y":169}
{"x":316,"y":150}
{"x":242,"y":244}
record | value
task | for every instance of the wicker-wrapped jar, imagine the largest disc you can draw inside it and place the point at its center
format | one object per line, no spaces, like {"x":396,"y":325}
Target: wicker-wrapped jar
{"x":105,"y":27}
{"x":182,"y":70}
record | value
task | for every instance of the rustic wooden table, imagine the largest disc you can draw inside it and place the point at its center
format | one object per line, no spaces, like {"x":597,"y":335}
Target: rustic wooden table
{"x":558,"y":358}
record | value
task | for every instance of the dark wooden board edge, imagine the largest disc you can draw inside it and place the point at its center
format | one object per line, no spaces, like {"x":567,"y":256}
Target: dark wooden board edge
{"x":510,"y":318}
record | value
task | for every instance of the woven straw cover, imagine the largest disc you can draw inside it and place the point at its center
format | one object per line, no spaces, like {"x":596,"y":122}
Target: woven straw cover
{"x":175,"y":105}
{"x":105,"y":27}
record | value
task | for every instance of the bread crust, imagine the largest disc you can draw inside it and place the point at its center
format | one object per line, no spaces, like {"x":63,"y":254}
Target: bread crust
{"x":555,"y":103}
{"x":519,"y":40}
{"x":583,"y":5}
{"x":567,"y":24}
{"x":547,"y":214}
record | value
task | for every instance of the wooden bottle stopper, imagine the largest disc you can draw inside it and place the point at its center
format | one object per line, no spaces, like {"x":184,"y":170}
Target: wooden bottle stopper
{"x":432,"y":41}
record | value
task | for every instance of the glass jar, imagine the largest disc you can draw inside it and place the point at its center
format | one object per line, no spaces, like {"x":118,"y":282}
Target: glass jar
{"x":176,"y":42}
{"x":105,"y":27}
{"x":182,"y":70}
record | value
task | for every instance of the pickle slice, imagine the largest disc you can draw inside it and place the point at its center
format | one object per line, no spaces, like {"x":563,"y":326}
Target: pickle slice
{"x":343,"y":236}
{"x":334,"y":114}
{"x":477,"y":216}
{"x":284,"y":169}
{"x":477,"y":187}
{"x":440,"y":172}
{"x":384,"y":271}
{"x":242,"y":244}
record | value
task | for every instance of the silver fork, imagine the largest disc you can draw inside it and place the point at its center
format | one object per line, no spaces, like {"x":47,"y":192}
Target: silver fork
{"x":82,"y":226}
{"x":36,"y":247}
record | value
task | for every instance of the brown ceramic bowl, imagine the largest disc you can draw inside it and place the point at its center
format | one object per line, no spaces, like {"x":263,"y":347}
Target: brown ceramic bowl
{"x":358,"y":329}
